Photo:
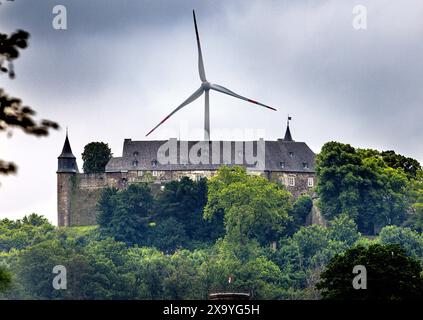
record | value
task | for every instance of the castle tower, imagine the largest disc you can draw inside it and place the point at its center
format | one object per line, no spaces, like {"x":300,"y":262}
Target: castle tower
{"x":66,"y":179}
{"x":288,"y":136}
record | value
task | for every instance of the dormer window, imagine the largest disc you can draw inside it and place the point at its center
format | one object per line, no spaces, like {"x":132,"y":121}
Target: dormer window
{"x":135,"y":153}
{"x":135,"y":163}
{"x":154,"y":162}
{"x":291,"y":154}
{"x":305,"y":165}
{"x":282,"y":164}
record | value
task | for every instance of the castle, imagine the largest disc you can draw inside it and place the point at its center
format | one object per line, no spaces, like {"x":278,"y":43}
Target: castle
{"x":284,"y":160}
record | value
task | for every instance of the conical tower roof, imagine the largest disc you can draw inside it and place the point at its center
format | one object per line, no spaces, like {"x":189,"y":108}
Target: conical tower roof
{"x":288,"y":136}
{"x":66,"y":160}
{"x":67,"y":150}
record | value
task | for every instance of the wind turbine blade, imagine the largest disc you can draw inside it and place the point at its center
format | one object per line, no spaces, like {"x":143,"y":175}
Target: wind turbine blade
{"x":193,"y":97}
{"x":233,"y":94}
{"x":201,"y":70}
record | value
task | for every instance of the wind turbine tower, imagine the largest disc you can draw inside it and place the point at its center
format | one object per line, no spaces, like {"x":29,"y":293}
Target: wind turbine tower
{"x":205,"y":88}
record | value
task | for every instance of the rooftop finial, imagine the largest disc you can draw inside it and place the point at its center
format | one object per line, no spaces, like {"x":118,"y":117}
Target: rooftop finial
{"x":288,"y":136}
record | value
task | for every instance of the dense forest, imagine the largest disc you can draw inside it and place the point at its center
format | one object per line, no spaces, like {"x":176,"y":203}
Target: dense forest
{"x":190,"y":239}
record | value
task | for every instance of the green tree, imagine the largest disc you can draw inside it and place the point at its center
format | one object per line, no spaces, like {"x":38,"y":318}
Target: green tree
{"x":253,"y":207}
{"x":184,"y":201}
{"x":299,"y":212}
{"x":409,"y":240}
{"x":360,"y":184}
{"x":20,"y":234}
{"x":415,"y":219}
{"x":250,"y":270}
{"x":167,"y":235}
{"x":149,"y":268}
{"x":127,"y":214}
{"x":183,"y":280}
{"x":5,"y":279}
{"x":391,"y":274}
{"x":95,"y":269}
{"x":95,"y":156}
{"x":35,"y":220}
{"x":397,"y":161}
{"x":305,"y":254}
{"x":310,"y":240}
{"x":344,"y":229}
{"x":106,"y":206}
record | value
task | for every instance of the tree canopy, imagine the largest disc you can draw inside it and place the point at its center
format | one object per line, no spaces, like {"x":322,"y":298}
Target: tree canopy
{"x":361,"y":183}
{"x":415,"y":219}
{"x":253,"y":207}
{"x":126,"y":215}
{"x":5,"y":278}
{"x":95,"y":156}
{"x":171,"y":219}
{"x":391,"y":274}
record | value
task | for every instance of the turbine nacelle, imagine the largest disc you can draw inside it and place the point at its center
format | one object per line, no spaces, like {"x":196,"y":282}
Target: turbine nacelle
{"x":205,"y":88}
{"x":206,"y":85}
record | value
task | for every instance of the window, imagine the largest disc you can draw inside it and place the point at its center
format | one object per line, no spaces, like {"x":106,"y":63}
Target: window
{"x":310,"y":182}
{"x":155,"y":173}
{"x":291,"y":181}
{"x":305,"y":165}
{"x":291,"y":154}
{"x":140,"y":173}
{"x":282,"y":164}
{"x":154,"y":162}
{"x":135,"y":153}
{"x":134,"y":163}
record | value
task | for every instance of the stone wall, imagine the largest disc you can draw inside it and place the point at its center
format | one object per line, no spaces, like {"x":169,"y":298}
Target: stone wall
{"x":300,"y":181}
{"x":78,"y":193}
{"x":315,"y":216}
{"x":65,"y":184}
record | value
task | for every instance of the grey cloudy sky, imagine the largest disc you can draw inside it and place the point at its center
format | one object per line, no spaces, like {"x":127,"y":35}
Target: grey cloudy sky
{"x":123,"y":65}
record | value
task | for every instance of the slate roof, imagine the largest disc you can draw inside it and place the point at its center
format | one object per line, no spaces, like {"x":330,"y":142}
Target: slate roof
{"x":288,"y":136}
{"x":66,"y":160}
{"x":142,"y":155}
{"x":67,"y":150}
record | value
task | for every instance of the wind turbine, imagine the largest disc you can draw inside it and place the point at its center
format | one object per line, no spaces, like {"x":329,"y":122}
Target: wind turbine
{"x":205,"y":88}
